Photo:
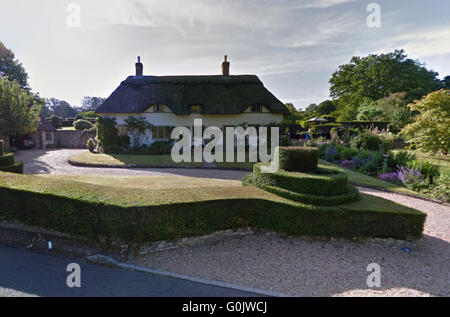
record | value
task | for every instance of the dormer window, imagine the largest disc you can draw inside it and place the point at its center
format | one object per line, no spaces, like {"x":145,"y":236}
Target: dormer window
{"x":157,"y":108}
{"x":196,"y":109}
{"x":256,"y":108}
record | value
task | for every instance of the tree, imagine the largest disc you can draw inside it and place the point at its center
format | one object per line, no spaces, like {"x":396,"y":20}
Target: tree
{"x":137,"y":126}
{"x":91,"y":103}
{"x":368,"y":111}
{"x":394,"y":109}
{"x":55,"y":121}
{"x":311,"y":108}
{"x":326,"y":107}
{"x":60,"y":108}
{"x":19,"y":110}
{"x":446,"y":82}
{"x":10,"y":67}
{"x":431,"y":130}
{"x":378,"y":76}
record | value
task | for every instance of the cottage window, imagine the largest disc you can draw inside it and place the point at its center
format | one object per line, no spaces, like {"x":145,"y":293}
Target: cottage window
{"x":161,"y":133}
{"x":122,"y":129}
{"x":158,"y":108}
{"x":256,"y":108}
{"x":196,"y":109}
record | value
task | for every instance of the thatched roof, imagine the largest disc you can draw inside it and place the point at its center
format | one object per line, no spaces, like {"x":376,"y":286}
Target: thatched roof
{"x":216,"y":94}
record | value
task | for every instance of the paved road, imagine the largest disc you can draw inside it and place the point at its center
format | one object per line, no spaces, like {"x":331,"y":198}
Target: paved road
{"x":55,"y":162}
{"x":28,"y":274}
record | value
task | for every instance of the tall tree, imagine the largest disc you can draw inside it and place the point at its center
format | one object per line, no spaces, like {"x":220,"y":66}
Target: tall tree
{"x":431,"y":130}
{"x":446,"y":82}
{"x":60,"y":108}
{"x":378,"y":76}
{"x":10,"y":67}
{"x":326,"y":107}
{"x":19,"y":110}
{"x":91,"y":103}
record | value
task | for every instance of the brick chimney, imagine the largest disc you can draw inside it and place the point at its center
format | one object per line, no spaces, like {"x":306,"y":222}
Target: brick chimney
{"x":139,"y":67}
{"x":226,"y":67}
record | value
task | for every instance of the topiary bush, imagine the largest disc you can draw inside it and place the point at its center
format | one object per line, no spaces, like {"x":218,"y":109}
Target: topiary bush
{"x":326,"y":181}
{"x":8,"y":162}
{"x":82,"y":125}
{"x":297,"y":159}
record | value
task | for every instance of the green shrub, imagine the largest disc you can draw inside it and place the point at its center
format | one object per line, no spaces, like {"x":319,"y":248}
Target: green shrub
{"x":82,"y":125}
{"x":79,"y":117}
{"x":109,"y":139}
{"x":401,"y":158}
{"x":7,"y":160}
{"x":428,"y":170}
{"x":366,"y":141}
{"x":297,"y":159}
{"x":441,"y":190}
{"x":160,"y":148}
{"x":2,"y":148}
{"x":91,"y":145}
{"x":348,"y":153}
{"x":15,"y":168}
{"x":326,"y":181}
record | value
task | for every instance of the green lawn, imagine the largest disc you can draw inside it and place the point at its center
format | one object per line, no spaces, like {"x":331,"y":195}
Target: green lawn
{"x":145,"y":160}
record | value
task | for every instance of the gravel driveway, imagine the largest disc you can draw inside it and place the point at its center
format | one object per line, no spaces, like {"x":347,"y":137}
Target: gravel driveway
{"x":310,"y":267}
{"x":55,"y":162}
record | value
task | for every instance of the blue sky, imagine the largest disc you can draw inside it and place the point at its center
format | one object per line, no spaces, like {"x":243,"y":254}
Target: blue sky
{"x":293,"y":46}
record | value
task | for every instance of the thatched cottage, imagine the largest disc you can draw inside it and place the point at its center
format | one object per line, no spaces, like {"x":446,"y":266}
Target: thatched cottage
{"x":175,"y":101}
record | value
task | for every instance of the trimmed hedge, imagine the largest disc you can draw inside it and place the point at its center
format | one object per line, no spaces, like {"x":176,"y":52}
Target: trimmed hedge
{"x":172,"y":221}
{"x":297,"y":158}
{"x":7,"y":160}
{"x":352,"y":194}
{"x":327,"y":181}
{"x":15,"y":168}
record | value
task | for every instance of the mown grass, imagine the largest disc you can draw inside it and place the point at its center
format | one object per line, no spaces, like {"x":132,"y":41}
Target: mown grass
{"x":119,"y":160}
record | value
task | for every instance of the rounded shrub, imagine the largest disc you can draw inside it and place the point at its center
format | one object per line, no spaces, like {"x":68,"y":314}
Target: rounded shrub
{"x":7,"y":160}
{"x":325,"y":181}
{"x":297,"y":159}
{"x":82,"y":125}
{"x":366,"y":141}
{"x":91,"y":145}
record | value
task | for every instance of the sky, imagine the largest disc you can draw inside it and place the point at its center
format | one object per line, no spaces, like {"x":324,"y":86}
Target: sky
{"x":72,"y":49}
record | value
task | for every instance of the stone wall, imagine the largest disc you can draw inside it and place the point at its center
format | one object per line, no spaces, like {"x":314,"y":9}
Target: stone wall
{"x":72,"y":139}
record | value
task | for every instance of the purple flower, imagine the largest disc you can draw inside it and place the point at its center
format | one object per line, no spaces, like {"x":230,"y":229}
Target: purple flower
{"x":410,"y":177}
{"x":389,"y":177}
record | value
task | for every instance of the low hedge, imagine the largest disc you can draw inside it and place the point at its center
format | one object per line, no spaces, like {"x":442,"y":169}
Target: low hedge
{"x":15,"y":168}
{"x":7,"y":160}
{"x":352,"y":195}
{"x":296,"y":158}
{"x":171,"y":221}
{"x":327,"y":180}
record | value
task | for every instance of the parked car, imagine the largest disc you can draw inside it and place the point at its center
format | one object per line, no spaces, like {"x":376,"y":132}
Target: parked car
{"x":22,"y":142}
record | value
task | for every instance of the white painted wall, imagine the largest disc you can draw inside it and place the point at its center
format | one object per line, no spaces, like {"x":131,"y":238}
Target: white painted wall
{"x":171,"y":120}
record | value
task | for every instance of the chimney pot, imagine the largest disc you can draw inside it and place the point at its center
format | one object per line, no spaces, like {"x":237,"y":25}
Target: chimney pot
{"x":139,"y":67}
{"x":226,"y":67}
